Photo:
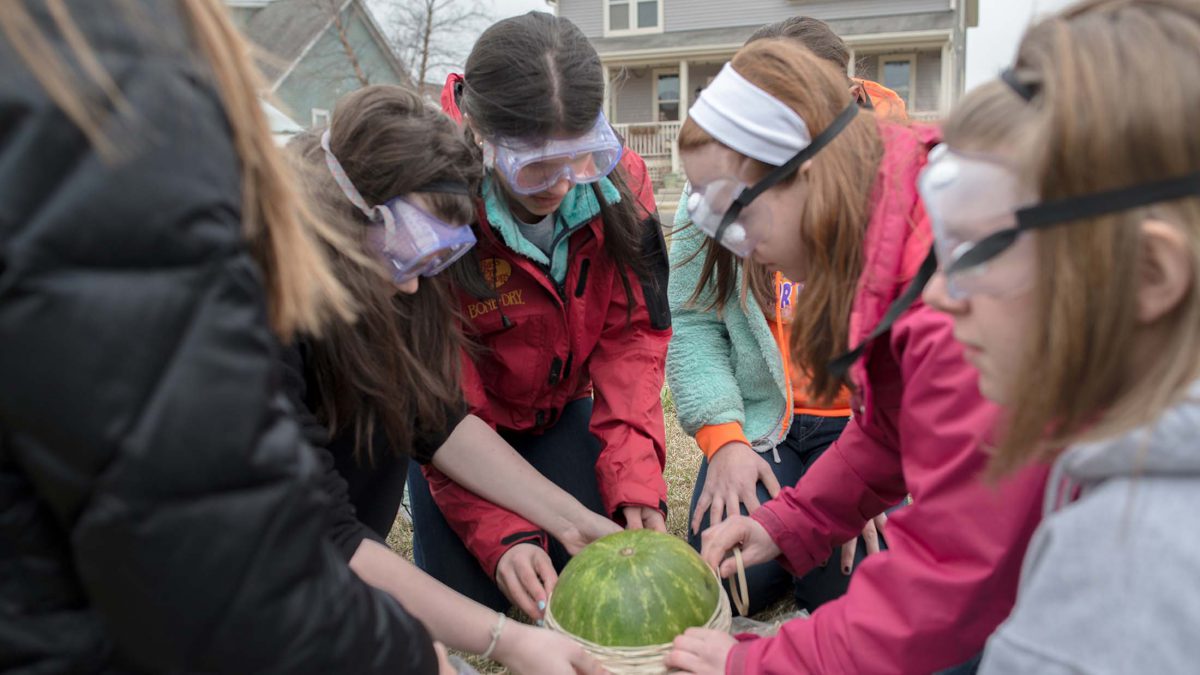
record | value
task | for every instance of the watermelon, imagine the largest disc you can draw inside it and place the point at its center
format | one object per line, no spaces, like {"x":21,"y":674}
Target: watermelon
{"x":634,"y":588}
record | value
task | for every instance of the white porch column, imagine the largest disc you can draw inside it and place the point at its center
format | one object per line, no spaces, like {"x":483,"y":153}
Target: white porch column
{"x":852,"y":65}
{"x":949,"y":91}
{"x":685,"y":93}
{"x":608,"y":94}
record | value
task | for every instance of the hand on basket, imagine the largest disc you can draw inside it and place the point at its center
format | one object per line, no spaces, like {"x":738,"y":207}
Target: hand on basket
{"x":526,"y":577}
{"x":444,"y":665}
{"x":534,"y":651}
{"x":701,"y":651}
{"x":757,"y":546}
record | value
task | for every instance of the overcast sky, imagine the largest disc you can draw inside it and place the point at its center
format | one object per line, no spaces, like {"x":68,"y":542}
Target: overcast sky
{"x":989,"y":47}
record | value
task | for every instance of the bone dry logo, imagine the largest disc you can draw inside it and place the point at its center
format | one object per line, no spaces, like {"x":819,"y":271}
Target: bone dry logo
{"x":495,"y":271}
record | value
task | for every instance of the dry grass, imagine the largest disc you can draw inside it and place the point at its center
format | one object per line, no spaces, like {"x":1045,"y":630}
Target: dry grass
{"x":683,"y":463}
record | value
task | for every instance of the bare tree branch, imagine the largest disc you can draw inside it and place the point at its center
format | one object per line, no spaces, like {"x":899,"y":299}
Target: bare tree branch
{"x":430,"y":35}
{"x":350,"y":53}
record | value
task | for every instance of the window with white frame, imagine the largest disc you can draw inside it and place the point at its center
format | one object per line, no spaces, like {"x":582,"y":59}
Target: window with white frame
{"x":320,"y":117}
{"x":627,"y":16}
{"x":666,"y":96}
{"x":898,"y":72}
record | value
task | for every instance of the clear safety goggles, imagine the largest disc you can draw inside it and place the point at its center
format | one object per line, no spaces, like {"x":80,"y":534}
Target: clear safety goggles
{"x":968,"y":198}
{"x":536,"y":167}
{"x":410,"y":241}
{"x":414,"y":242}
{"x":722,"y":208}
{"x":980,"y":212}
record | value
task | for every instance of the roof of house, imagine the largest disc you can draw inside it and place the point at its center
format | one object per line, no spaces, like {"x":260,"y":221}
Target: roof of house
{"x":736,"y":35}
{"x":287,"y":29}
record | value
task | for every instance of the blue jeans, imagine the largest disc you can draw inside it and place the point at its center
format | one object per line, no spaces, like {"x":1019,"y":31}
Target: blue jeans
{"x":806,"y":441}
{"x":565,"y":453}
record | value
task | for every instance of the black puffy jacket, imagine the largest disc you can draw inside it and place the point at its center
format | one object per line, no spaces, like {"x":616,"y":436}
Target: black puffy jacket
{"x":159,"y":511}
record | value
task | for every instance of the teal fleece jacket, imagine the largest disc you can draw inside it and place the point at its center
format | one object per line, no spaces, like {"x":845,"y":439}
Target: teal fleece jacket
{"x":724,"y":368}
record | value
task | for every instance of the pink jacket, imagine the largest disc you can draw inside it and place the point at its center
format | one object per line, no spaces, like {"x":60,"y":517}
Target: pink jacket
{"x":920,"y":426}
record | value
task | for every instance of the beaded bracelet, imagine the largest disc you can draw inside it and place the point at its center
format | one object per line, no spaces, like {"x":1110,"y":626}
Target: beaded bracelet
{"x":495,"y":635}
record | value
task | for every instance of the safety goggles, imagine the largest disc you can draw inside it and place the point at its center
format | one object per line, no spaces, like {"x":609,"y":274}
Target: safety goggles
{"x":411,"y":241}
{"x":722,"y":208}
{"x":530,"y":168}
{"x":963,"y":194}
{"x":957,"y":259}
{"x":970,"y":197}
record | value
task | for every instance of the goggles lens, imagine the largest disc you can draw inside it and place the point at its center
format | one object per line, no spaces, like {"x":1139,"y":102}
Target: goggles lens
{"x":413,"y":242}
{"x":972,"y":201}
{"x":707,"y":206}
{"x":536,"y":167}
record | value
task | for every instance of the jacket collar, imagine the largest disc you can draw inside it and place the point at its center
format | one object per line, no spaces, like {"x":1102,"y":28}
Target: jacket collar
{"x":898,"y":235}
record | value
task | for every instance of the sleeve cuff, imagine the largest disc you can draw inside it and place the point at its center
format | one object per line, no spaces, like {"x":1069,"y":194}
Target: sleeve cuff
{"x":794,"y":557}
{"x":712,"y":437}
{"x":491,"y":560}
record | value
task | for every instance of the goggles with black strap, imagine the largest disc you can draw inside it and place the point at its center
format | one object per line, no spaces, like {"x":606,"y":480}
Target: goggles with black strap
{"x":974,"y":266}
{"x":754,"y":123}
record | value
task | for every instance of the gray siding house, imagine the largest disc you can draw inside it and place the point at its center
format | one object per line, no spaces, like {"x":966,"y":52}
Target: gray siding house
{"x":315,"y":51}
{"x":659,"y":54}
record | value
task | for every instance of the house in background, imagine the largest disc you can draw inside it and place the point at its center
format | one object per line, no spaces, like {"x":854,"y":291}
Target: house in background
{"x":315,"y":51}
{"x":658,"y":54}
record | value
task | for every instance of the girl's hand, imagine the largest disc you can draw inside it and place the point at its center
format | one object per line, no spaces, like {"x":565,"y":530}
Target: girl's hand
{"x":757,"y":545}
{"x":532,"y":651}
{"x":644,"y":517}
{"x":444,"y":665}
{"x":734,"y":473}
{"x":589,"y":527}
{"x":870,"y":534}
{"x":701,"y":651}
{"x":526,"y":577}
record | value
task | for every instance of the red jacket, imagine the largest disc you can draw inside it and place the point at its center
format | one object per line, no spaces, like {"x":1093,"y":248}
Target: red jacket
{"x":546,"y":345}
{"x":921,"y":427}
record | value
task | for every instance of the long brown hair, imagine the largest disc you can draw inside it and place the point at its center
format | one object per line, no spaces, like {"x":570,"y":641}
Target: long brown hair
{"x":837,"y":206}
{"x":1117,"y":105}
{"x":397,"y":367}
{"x":286,"y":239}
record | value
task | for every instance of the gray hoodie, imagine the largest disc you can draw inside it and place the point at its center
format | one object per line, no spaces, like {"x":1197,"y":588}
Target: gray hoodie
{"x":1111,"y":581}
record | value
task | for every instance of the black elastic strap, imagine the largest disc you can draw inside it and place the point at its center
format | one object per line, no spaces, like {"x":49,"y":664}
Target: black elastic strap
{"x":1025,"y":91}
{"x":1089,"y":206}
{"x":787,"y":168}
{"x":839,"y":366}
{"x":452,"y":187}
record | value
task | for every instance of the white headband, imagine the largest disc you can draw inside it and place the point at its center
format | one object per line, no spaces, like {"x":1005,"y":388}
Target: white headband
{"x":739,"y":114}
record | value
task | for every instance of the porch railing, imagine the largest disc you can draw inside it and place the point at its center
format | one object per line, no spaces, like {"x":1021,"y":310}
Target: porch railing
{"x":655,"y":143}
{"x":650,"y":139}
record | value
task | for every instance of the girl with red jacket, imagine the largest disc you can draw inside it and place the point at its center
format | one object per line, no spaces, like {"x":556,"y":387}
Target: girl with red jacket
{"x":565,"y":297}
{"x":786,"y":169}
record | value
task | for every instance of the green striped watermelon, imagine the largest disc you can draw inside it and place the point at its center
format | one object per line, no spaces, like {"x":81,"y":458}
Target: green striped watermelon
{"x":634,"y":588}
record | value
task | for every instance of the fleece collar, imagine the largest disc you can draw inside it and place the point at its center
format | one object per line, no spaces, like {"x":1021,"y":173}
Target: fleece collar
{"x":577,"y":209}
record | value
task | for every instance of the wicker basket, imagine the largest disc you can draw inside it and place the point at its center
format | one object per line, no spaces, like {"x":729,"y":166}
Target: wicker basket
{"x":647,"y":660}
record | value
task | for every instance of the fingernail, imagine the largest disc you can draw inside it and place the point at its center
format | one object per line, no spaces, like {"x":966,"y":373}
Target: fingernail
{"x":846,"y":570}
{"x":541,"y":605}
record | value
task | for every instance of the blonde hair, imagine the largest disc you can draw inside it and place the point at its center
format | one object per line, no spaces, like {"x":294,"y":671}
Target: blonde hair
{"x":283,"y":232}
{"x":1117,"y":105}
{"x":837,"y":207}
